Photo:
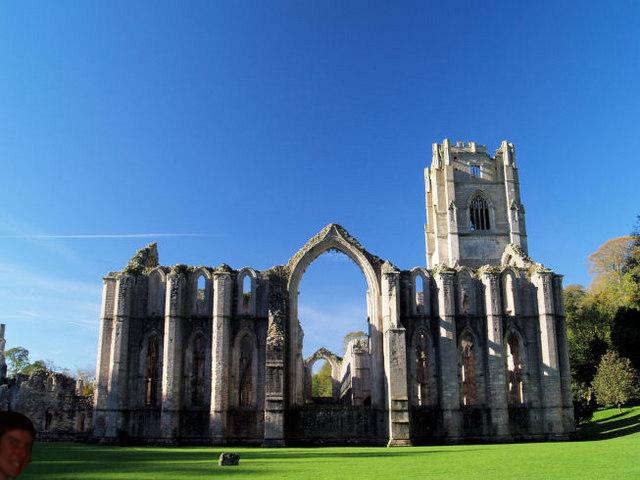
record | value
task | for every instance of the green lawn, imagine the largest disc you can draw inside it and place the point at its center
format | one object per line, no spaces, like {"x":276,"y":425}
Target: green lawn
{"x":611,"y":449}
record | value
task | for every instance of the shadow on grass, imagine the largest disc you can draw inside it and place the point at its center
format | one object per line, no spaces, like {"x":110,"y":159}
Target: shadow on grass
{"x":617,"y":425}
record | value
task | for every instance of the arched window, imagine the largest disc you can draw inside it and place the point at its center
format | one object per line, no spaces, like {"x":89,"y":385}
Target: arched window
{"x":202,"y":285}
{"x":246,"y":291}
{"x":515,"y":369}
{"x":508,"y":293}
{"x":419,"y":289}
{"x":151,"y":373}
{"x":245,"y":373}
{"x":479,"y":214}
{"x":422,"y":369}
{"x":468,"y":369}
{"x":198,"y":371}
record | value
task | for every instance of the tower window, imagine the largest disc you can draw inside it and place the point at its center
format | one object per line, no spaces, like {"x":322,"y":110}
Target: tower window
{"x":475,"y":170}
{"x":479,"y":214}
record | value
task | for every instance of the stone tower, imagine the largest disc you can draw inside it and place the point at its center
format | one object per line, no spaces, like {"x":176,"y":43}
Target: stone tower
{"x":473,"y":205}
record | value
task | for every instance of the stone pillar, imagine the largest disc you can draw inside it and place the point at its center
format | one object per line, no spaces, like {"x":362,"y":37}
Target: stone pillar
{"x":118,"y":360}
{"x":395,"y":359}
{"x":549,"y":374}
{"x":104,"y":357}
{"x":172,"y":356}
{"x":563,"y":357}
{"x":496,"y":366}
{"x":448,"y":356}
{"x":220,"y":355}
{"x":274,"y":402}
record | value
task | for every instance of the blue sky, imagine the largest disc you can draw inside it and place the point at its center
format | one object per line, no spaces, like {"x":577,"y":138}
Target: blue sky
{"x":254,"y":124}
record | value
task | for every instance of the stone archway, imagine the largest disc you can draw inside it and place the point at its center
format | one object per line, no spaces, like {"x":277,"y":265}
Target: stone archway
{"x":334,"y":361}
{"x":334,"y":237}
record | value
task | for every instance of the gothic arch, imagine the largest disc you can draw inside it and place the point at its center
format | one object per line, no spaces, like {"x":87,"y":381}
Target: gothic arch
{"x":150,"y":369}
{"x":335,"y":237}
{"x":491,"y":213}
{"x":509,"y":289}
{"x":516,"y":365}
{"x":156,"y":292}
{"x":202,"y":296}
{"x":423,"y":307}
{"x":196,"y":371}
{"x":470,"y":367}
{"x":423,"y":368}
{"x":246,"y":302}
{"x":244,"y":390}
{"x":336,"y":363}
{"x":466,"y":292}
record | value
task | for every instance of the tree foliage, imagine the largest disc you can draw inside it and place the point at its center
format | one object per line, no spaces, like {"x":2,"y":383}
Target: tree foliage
{"x":321,"y":383}
{"x":17,"y":359}
{"x":616,"y":381}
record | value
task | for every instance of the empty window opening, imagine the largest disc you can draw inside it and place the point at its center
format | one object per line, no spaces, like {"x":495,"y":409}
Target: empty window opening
{"x":322,"y":381}
{"x":202,"y":285}
{"x":419,"y":289}
{"x":514,"y":367}
{"x":508,"y":295}
{"x":475,"y":170}
{"x":151,"y":373}
{"x":246,"y":293}
{"x":479,"y":214}
{"x":468,"y":370}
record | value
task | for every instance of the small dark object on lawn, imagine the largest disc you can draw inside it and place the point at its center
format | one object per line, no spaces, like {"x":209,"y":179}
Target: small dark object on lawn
{"x":227,"y":459}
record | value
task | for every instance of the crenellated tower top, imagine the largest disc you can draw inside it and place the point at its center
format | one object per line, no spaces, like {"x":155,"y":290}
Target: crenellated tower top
{"x":473,"y":204}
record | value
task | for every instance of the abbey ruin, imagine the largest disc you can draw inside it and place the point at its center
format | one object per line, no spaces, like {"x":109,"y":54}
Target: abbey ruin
{"x":473,"y":348}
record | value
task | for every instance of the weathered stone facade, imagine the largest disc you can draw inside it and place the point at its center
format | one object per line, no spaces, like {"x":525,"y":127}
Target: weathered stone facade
{"x":53,"y":401}
{"x":474,"y":348}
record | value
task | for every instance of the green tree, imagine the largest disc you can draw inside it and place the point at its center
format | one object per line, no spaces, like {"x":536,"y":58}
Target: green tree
{"x":321,"y":382}
{"x":17,"y":359}
{"x":616,"y":381}
{"x":37,"y":366}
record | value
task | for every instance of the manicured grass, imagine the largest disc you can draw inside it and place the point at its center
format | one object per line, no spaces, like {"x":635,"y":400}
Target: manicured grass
{"x":611,"y":450}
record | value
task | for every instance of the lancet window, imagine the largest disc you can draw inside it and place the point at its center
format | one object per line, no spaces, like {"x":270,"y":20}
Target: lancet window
{"x":151,"y":373}
{"x":479,"y":214}
{"x":468,"y":369}
{"x":515,"y":369}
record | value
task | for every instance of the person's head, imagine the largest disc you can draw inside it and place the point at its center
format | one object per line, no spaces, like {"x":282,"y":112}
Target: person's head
{"x":16,"y":439}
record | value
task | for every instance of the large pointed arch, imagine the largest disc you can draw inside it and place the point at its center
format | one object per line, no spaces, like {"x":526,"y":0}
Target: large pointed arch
{"x":335,"y":237}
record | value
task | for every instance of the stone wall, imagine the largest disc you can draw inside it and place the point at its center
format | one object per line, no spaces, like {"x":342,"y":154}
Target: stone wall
{"x":52,"y":402}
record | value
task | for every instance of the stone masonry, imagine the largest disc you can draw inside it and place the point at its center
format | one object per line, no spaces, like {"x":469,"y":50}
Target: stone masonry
{"x":472,"y":348}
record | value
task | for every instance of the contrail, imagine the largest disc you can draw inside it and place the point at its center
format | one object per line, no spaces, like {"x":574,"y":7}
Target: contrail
{"x":116,"y":235}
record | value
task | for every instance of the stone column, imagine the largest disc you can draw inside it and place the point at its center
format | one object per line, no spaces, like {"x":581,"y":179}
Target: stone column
{"x":172,"y":356}
{"x":104,"y":356}
{"x":563,"y":357}
{"x":220,"y":355}
{"x":274,"y":402}
{"x":448,"y":356}
{"x":549,"y":374}
{"x":395,"y":358}
{"x":496,"y":366}
{"x":118,"y":360}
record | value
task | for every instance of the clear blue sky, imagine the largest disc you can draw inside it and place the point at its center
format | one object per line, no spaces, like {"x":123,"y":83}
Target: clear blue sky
{"x":256,"y":124}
